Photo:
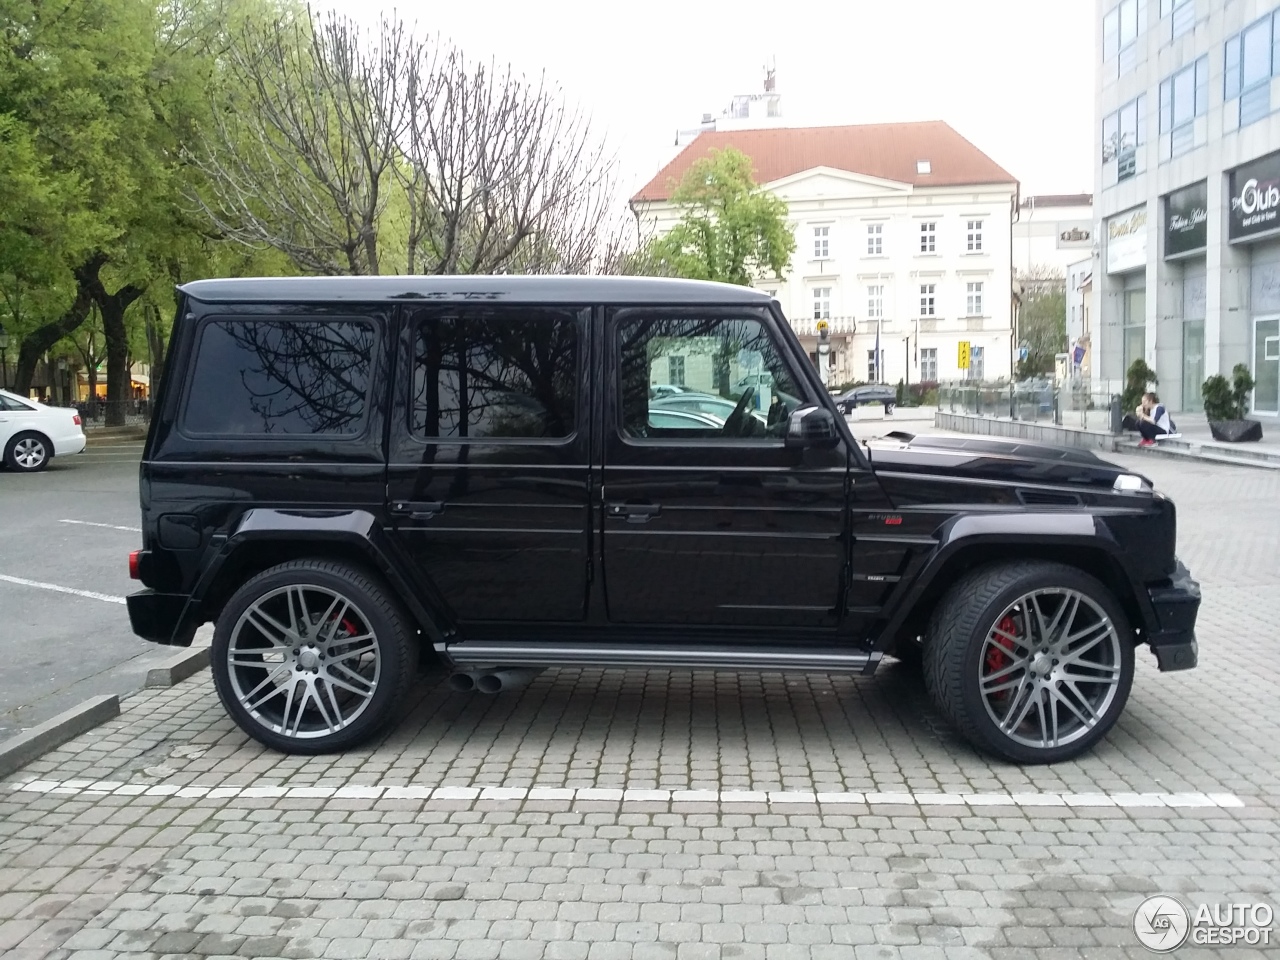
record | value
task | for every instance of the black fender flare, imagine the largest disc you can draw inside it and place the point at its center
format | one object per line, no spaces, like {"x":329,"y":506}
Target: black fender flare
{"x":1018,"y":531}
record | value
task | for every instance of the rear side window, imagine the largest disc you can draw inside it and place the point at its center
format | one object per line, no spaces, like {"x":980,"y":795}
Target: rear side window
{"x":486,"y":373}
{"x":13,"y":406}
{"x":280,"y":378}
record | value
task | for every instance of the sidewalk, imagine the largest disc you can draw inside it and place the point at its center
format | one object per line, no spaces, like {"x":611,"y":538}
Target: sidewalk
{"x":1196,"y":442}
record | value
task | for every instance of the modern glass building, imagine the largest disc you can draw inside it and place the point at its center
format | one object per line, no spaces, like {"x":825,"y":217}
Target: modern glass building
{"x":1187,"y":262}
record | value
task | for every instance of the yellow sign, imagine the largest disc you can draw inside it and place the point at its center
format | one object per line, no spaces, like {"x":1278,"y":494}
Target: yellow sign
{"x":962,"y":360}
{"x":823,"y":327}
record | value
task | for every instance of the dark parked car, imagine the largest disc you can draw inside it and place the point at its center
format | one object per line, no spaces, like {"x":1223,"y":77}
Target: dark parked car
{"x":348,"y":474}
{"x":869,"y":393}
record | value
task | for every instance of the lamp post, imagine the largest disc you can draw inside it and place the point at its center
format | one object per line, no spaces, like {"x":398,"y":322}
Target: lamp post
{"x":66,"y":380}
{"x":4,"y":357}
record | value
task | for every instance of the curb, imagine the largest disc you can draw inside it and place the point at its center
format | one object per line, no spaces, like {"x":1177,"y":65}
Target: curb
{"x":17,"y":752}
{"x":178,"y":668}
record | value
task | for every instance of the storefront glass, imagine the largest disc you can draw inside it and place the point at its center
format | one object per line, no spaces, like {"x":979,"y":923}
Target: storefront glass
{"x":1266,"y":365}
{"x":1135,"y":326}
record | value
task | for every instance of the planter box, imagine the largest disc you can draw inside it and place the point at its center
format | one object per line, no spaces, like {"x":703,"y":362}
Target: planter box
{"x":1235,"y":431}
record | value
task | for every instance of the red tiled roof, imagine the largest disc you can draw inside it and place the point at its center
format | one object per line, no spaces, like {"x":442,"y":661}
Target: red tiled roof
{"x":888,"y":151}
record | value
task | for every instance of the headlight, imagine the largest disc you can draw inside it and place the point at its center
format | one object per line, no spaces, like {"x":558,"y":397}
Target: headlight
{"x":1131,"y":483}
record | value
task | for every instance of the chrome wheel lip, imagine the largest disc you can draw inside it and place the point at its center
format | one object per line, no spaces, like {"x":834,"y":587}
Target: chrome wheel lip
{"x":311,"y":667}
{"x":1064,"y":670}
{"x":29,"y":453}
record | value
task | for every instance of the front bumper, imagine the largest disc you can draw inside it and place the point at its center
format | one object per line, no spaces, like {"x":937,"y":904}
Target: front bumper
{"x":160,"y":617}
{"x":1176,"y":606}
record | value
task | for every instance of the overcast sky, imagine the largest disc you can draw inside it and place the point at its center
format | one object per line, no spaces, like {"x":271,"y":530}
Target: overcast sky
{"x":1016,"y":77}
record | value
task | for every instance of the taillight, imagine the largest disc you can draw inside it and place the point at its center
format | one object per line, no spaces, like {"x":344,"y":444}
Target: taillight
{"x":75,"y":418}
{"x":133,"y":564}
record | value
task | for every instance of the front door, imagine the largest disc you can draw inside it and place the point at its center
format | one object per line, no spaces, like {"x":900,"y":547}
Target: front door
{"x":488,"y":470}
{"x":1266,"y":365}
{"x":708,"y":518}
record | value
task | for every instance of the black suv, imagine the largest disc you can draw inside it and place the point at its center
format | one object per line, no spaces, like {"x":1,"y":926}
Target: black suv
{"x":345,"y":474}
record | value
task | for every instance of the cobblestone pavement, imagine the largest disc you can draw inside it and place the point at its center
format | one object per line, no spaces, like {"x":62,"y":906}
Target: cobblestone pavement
{"x":657,"y":816}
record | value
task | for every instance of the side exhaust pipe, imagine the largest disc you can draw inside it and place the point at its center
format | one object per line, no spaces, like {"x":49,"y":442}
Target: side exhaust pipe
{"x":463,"y":682}
{"x":509,"y":679}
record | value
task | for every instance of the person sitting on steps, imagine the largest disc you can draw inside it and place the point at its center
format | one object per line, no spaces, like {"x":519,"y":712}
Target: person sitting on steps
{"x":1151,"y":419}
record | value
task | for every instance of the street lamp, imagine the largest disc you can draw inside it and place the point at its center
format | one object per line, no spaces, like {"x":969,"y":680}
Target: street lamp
{"x":4,"y":357}
{"x":66,"y":380}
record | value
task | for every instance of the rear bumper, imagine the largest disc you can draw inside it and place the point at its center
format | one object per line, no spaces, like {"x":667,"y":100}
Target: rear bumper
{"x":1176,"y":606}
{"x":159,"y":617}
{"x":69,"y":445}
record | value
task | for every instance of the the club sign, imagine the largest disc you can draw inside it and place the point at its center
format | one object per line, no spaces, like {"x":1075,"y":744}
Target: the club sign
{"x":1255,"y":199}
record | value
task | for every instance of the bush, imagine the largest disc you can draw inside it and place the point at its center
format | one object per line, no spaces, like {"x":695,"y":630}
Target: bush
{"x":1136,"y":384}
{"x":1225,"y":400}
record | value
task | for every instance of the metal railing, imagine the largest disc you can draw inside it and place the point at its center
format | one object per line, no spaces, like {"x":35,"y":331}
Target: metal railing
{"x":1079,"y":404}
{"x":95,"y":414}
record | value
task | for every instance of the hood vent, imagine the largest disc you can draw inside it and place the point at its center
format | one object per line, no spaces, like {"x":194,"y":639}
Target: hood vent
{"x":1048,"y":498}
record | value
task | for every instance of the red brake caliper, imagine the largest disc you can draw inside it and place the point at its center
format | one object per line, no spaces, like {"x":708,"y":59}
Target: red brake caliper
{"x":998,"y":653}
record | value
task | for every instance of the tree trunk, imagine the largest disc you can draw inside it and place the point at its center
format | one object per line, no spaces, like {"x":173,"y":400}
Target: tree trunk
{"x":113,"y":306}
{"x":156,"y":346}
{"x":38,"y":341}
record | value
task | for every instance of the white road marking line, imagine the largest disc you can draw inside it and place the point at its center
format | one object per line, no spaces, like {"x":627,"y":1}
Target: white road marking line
{"x":400,"y":792}
{"x":105,"y":526}
{"x":23,"y":582}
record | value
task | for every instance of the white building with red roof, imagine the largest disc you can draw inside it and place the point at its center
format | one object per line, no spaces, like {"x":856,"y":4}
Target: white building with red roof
{"x":903,"y":237}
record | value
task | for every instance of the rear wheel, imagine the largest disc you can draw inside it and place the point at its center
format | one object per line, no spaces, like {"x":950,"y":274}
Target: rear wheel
{"x":312,"y":656}
{"x":28,"y":452}
{"x":1031,"y":661}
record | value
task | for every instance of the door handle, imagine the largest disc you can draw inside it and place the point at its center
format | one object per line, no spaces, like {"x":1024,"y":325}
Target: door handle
{"x":416,"y":509}
{"x":633,"y":512}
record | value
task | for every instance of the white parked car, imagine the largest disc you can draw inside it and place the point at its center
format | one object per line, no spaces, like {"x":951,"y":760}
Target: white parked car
{"x":32,"y":434}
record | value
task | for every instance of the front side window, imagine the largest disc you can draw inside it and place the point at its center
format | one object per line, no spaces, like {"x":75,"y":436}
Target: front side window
{"x":928,"y":237}
{"x":927,"y":299}
{"x":821,"y":243}
{"x":973,"y":236}
{"x":875,"y":301}
{"x":821,"y":303}
{"x":875,"y":239}
{"x":496,"y":373}
{"x":735,"y":383}
{"x":275,"y":378}
{"x":973,"y":299}
{"x":929,"y":364}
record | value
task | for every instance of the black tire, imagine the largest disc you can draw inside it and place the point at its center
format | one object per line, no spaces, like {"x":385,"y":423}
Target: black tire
{"x":258,"y":698}
{"x":965,"y":630}
{"x":28,"y":452}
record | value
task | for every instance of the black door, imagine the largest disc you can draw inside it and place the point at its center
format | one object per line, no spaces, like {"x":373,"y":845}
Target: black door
{"x":488,"y":471}
{"x":708,"y":518}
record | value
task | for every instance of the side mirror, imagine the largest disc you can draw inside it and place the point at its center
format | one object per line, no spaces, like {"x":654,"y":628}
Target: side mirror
{"x":812,"y":426}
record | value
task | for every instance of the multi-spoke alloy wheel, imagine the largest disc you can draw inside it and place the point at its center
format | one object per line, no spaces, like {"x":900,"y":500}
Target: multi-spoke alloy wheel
{"x":1031,"y":661}
{"x":28,"y":452}
{"x":311,"y":656}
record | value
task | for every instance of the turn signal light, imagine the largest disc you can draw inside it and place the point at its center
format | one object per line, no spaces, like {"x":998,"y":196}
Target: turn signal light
{"x":133,"y":564}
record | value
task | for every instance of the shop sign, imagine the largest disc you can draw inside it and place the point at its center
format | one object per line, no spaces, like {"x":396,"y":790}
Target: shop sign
{"x":1255,"y":199}
{"x":1186,"y":220}
{"x":1127,"y":241}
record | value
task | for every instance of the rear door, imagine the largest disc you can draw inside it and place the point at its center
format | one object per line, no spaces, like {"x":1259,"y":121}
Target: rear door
{"x":488,"y":468}
{"x":716,"y":524}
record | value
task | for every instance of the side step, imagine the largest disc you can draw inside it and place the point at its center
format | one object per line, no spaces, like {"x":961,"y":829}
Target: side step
{"x":661,"y":657}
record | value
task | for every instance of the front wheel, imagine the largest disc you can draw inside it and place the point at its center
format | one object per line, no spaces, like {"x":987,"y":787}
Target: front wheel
{"x":1032,"y":662}
{"x":312,"y":656}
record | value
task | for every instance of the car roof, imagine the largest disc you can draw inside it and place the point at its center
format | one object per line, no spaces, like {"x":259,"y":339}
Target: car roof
{"x":523,"y":289}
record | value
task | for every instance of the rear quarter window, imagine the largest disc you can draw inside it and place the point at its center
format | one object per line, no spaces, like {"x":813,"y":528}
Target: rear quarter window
{"x":280,"y":377}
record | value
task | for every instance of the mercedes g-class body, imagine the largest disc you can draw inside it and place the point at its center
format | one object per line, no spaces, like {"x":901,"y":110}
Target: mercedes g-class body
{"x":507,"y":474}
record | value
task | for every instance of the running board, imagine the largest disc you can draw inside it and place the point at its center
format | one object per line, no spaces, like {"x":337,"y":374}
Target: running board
{"x":662,"y":657}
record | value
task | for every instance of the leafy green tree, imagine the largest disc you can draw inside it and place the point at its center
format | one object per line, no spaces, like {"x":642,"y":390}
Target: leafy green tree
{"x":730,"y":230}
{"x":1139,"y":378}
{"x":1042,"y":321}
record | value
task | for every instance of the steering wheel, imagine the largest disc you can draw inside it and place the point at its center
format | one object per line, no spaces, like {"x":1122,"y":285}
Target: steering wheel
{"x":736,"y":421}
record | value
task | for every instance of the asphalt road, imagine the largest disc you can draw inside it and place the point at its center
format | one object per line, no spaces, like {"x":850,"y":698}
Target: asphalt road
{"x":71,"y":526}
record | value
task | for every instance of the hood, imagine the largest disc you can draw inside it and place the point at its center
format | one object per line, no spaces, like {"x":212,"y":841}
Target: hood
{"x":991,"y":458}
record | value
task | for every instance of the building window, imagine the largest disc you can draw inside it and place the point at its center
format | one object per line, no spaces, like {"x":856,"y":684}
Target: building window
{"x":928,"y":237}
{"x":973,"y":299}
{"x":874,"y":370}
{"x":1249,"y":64}
{"x":1184,"y":15}
{"x":875,"y":301}
{"x":927,"y":299}
{"x":821,"y":303}
{"x":821,"y":243}
{"x":875,"y":239}
{"x":929,"y":364}
{"x":1120,"y":31}
{"x":1183,"y":97}
{"x":977,"y":364}
{"x":973,"y":236}
{"x":1123,"y":132}
{"x":675,"y":371}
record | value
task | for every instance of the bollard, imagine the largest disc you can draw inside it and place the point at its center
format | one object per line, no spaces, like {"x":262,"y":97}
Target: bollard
{"x":1116,"y":415}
